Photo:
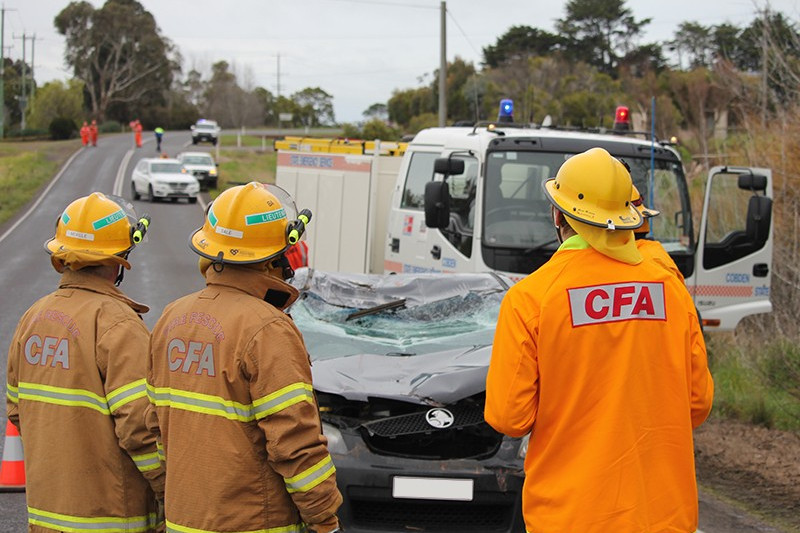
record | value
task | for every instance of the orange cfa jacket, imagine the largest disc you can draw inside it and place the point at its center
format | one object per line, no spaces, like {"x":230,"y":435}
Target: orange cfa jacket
{"x":604,"y":364}
{"x":77,"y":393}
{"x":231,"y":398}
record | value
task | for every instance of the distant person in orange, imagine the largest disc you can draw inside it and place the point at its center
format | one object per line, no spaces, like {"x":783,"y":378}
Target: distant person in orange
{"x":297,"y":255}
{"x":85,"y":133}
{"x":136,"y":126}
{"x":93,"y":132}
{"x":599,"y":358}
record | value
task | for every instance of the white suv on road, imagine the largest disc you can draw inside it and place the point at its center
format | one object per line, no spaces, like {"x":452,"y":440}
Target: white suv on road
{"x":202,"y":166}
{"x":163,"y":178}
{"x":205,"y":130}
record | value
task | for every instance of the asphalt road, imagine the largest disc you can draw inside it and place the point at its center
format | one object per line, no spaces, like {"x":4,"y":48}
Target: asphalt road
{"x":163,"y":266}
{"x":163,"y":269}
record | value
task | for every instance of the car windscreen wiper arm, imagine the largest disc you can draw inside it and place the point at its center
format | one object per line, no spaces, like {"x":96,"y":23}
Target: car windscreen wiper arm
{"x":376,"y":309}
{"x":539,"y":247}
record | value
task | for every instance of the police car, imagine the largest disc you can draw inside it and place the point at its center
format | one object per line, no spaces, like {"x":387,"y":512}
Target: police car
{"x":205,"y":130}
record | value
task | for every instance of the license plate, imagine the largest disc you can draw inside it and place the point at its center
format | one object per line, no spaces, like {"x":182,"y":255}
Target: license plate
{"x":427,"y":488}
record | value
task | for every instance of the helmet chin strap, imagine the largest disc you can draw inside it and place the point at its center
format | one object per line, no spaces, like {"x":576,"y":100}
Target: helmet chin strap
{"x":555,"y":213}
{"x":282,"y":262}
{"x":121,"y":271}
{"x":120,"y":275}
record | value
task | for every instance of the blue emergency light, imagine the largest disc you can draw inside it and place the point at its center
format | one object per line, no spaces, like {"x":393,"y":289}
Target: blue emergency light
{"x":506,"y":113}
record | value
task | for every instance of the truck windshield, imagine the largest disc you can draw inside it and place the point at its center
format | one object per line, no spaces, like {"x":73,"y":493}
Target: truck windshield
{"x":516,"y":212}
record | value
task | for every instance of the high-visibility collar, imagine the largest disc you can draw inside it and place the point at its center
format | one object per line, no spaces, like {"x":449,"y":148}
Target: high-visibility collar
{"x":576,"y":242}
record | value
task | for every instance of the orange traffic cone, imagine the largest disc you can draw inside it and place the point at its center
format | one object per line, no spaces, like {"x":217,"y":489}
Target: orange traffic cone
{"x":12,"y":469}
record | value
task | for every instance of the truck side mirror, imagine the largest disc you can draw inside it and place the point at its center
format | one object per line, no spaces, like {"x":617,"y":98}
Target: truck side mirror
{"x":752,"y":182}
{"x":759,"y":218}
{"x":448,"y":166}
{"x":437,"y":203}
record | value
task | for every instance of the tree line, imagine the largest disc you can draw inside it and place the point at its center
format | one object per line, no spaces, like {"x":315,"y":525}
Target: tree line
{"x":123,"y":68}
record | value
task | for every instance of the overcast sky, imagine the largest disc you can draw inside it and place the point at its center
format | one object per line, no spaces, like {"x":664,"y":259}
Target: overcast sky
{"x":359,"y":51}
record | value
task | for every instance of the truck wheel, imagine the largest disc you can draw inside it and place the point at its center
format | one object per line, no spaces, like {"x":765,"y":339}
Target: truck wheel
{"x":136,"y":195}
{"x":213,"y":184}
{"x":214,"y":142}
{"x":150,"y":193}
{"x":194,"y":141}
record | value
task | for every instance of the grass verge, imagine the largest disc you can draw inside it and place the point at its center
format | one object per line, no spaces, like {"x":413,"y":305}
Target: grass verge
{"x":757,"y":383}
{"x":26,"y":167}
{"x":242,"y":166}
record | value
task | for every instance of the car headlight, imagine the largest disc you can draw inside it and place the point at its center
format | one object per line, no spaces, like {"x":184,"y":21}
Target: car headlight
{"x":212,"y":172}
{"x":335,"y":441}
{"x":523,"y":446}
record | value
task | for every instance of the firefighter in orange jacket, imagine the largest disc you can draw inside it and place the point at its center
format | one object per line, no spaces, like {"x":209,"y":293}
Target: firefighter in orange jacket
{"x":85,"y":134}
{"x":598,"y":355}
{"x":93,"y":133}
{"x":76,"y":383}
{"x":136,"y":126}
{"x":229,"y":381}
{"x":648,"y":248}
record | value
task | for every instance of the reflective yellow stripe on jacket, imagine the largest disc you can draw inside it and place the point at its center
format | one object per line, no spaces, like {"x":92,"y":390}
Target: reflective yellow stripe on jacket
{"x":12,"y":393}
{"x":308,"y":479}
{"x":218,"y":406}
{"x":79,"y":397}
{"x":126,"y":394}
{"x":147,"y":461}
{"x":80,"y":524}
{"x":295,"y":528}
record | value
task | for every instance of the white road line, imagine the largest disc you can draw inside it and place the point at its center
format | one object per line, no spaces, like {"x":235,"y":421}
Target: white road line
{"x":123,"y":167}
{"x":41,"y":196}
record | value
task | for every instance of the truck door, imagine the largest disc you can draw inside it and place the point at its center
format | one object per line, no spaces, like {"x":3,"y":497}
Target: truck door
{"x":734,"y":250}
{"x":410,"y":248}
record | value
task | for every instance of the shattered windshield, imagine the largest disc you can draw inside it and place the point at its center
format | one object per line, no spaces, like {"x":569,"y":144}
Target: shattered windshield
{"x":403,"y":315}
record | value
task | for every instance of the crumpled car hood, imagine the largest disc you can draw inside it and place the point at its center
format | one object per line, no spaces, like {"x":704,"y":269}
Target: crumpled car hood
{"x":434,"y":379}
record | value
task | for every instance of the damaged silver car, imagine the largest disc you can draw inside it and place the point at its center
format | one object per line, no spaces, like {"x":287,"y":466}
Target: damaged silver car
{"x":399,"y":365}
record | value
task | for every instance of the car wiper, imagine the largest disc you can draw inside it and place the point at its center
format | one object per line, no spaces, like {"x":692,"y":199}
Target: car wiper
{"x":539,"y":247}
{"x":377,"y":309}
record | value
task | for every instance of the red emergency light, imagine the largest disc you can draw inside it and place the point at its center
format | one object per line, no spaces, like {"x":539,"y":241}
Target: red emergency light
{"x":622,"y":120}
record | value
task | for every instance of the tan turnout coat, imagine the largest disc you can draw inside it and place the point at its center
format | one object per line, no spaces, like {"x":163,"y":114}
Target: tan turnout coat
{"x":230,"y":384}
{"x":76,"y":391}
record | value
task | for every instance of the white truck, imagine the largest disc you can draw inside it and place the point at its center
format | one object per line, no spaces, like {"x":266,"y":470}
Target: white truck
{"x":480,"y":191}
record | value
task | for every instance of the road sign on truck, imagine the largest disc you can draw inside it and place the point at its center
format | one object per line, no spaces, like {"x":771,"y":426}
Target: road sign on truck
{"x":492,"y":215}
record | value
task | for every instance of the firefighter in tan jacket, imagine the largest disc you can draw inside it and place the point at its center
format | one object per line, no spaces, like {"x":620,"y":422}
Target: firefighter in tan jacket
{"x":229,"y":381}
{"x":76,"y":383}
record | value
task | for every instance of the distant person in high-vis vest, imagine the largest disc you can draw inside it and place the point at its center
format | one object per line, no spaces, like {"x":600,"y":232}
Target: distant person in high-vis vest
{"x":76,"y":382}
{"x":598,"y":356}
{"x":230,"y":385}
{"x":159,"y":132}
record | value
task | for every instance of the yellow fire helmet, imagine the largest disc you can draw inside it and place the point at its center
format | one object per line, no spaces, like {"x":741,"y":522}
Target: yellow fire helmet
{"x":595,"y":188}
{"x":94,"y":230}
{"x":646,"y":212}
{"x":247,"y":224}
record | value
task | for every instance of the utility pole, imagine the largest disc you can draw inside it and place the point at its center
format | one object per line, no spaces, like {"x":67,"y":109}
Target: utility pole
{"x":23,"y":100}
{"x":443,"y":67}
{"x":279,"y":75}
{"x":33,"y":78}
{"x":2,"y":70}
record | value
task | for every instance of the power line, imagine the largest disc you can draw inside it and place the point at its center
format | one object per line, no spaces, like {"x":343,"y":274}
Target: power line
{"x":463,"y":33}
{"x":386,"y":3}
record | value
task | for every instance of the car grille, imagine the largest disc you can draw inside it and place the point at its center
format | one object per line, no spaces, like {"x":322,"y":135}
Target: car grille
{"x":486,"y":513}
{"x":200,"y":174}
{"x":410,"y":435}
{"x":178,"y":186}
{"x":415,"y":423}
